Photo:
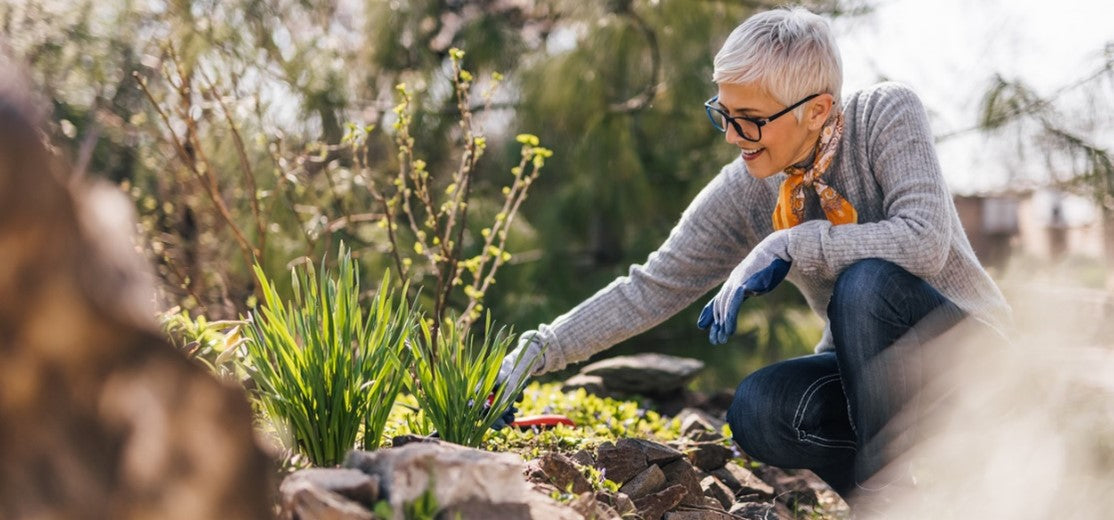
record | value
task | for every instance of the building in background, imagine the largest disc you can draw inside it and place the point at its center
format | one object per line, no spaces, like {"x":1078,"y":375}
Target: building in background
{"x":1042,"y":224}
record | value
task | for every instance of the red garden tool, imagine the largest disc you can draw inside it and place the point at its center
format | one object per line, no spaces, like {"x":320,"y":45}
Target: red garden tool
{"x":529,"y":422}
{"x":541,"y":422}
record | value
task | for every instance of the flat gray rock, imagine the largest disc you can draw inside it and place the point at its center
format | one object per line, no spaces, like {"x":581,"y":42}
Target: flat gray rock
{"x":652,"y":507}
{"x":349,"y":483}
{"x":563,"y":473}
{"x":681,"y":473}
{"x":620,"y":462}
{"x":302,"y":499}
{"x":651,"y":480}
{"x":743,"y":482}
{"x":620,"y":502}
{"x":718,"y":490}
{"x":655,"y":452}
{"x":591,"y":384}
{"x":699,"y":425}
{"x":646,"y":374}
{"x":457,"y":475}
{"x":709,"y":456}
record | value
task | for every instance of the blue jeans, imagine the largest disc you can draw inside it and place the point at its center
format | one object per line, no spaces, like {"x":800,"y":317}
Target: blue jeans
{"x":834,"y":412}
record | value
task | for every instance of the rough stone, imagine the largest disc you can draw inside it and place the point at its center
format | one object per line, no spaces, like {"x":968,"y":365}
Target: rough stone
{"x":350,"y":483}
{"x":620,"y":462}
{"x":302,"y":500}
{"x":652,"y":507}
{"x":587,"y":505}
{"x":651,"y":480}
{"x":656,"y":453}
{"x":712,"y":503}
{"x":562,"y":473}
{"x":701,"y":435}
{"x":584,"y":458}
{"x":699,"y":514}
{"x":743,"y":482}
{"x":793,"y":488}
{"x":646,"y":374}
{"x":101,"y":417}
{"x":709,"y":456}
{"x":699,"y":425}
{"x":680,"y":472}
{"x":712,"y":487}
{"x":620,"y":502}
{"x":481,"y":510}
{"x":535,"y":475}
{"x":591,"y":384}
{"x":455,"y":474}
{"x":753,"y":511}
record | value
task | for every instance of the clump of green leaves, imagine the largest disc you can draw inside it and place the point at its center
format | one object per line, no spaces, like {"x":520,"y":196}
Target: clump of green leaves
{"x":453,"y":376}
{"x":211,"y":343}
{"x":323,"y":366}
{"x":597,"y":419}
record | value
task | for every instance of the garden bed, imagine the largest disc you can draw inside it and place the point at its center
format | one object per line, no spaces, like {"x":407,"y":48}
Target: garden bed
{"x":620,"y":461}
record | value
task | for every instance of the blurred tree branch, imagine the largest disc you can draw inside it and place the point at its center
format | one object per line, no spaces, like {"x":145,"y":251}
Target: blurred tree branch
{"x":1068,"y":126}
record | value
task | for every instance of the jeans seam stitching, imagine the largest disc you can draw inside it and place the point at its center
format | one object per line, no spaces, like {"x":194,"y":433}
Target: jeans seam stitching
{"x":807,"y":398}
{"x":798,"y":417}
{"x":828,"y":443}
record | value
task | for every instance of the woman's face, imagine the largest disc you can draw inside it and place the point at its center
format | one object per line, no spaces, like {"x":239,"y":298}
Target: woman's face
{"x":785,"y":141}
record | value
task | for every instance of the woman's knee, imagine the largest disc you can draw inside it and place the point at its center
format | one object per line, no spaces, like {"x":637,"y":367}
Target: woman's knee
{"x":867,"y":288}
{"x":864,"y":279}
{"x":753,"y":427}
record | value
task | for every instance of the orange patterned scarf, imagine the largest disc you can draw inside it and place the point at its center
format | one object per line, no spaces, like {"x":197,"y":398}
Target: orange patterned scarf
{"x":790,"y":209}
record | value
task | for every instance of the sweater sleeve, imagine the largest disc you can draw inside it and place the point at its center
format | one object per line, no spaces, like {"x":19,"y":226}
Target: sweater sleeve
{"x":703,"y":247}
{"x":901,"y":156}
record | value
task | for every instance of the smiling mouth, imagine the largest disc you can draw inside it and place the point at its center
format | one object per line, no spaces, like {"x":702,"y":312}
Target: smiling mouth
{"x":751,"y":154}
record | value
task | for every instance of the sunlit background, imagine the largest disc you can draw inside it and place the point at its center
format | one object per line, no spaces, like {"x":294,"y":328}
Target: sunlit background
{"x":228,"y":124}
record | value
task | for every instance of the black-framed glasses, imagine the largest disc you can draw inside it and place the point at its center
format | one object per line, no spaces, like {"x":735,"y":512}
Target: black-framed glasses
{"x":749,"y":128}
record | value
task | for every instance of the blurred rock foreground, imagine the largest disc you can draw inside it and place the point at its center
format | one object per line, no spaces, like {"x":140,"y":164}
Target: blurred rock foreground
{"x":99,"y":416}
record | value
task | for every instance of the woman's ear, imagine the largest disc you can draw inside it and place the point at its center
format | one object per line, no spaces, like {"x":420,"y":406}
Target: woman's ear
{"x":818,"y":111}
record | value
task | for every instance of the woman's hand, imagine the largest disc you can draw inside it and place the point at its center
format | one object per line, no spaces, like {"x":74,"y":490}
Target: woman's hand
{"x":762,"y":270}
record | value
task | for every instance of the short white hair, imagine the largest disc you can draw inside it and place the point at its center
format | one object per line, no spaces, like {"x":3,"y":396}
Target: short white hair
{"x":788,"y":51}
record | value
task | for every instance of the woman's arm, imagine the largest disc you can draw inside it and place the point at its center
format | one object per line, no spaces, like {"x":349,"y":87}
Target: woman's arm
{"x":708,"y":241}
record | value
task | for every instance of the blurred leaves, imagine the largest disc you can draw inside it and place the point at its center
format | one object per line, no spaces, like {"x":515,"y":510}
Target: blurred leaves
{"x":262,"y":95}
{"x":1063,"y":126}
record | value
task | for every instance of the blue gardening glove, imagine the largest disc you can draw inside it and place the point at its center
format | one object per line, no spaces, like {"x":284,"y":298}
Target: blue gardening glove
{"x":762,"y":270}
{"x":507,"y":418}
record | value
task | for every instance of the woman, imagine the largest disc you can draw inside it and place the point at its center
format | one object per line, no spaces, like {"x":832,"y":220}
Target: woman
{"x":847,"y":202}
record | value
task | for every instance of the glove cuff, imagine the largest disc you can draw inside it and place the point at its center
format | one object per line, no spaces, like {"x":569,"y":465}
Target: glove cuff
{"x":552,"y":357}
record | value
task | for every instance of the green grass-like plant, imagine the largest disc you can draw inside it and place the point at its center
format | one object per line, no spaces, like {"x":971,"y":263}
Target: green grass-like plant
{"x":325,"y":368}
{"x":453,"y":375}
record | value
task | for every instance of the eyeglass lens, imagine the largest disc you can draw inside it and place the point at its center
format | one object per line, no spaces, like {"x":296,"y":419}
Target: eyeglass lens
{"x":746,"y":128}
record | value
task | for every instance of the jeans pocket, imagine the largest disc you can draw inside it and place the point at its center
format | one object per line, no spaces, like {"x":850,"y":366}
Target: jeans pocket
{"x":821,"y":416}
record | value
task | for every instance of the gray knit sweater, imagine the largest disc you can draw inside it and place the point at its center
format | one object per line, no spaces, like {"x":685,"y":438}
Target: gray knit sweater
{"x":886,"y":167}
